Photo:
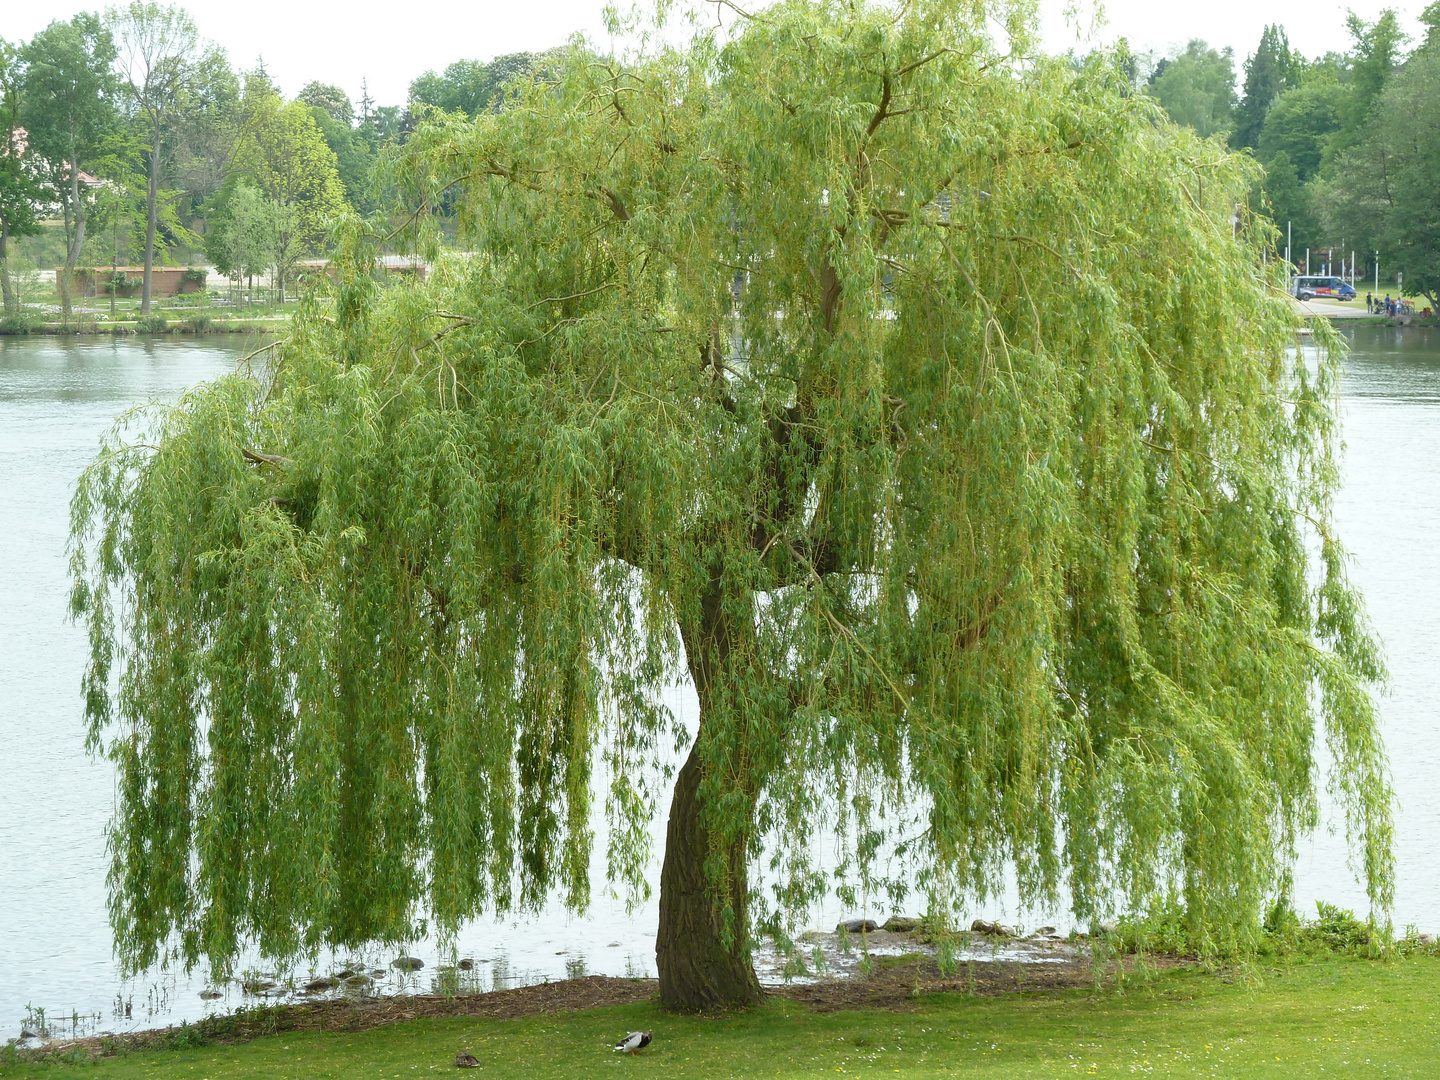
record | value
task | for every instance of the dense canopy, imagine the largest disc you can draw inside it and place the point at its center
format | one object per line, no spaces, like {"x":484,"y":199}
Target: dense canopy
{"x":924,"y":401}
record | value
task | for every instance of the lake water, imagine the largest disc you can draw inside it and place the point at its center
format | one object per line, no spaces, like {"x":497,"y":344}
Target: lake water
{"x":56,"y":399}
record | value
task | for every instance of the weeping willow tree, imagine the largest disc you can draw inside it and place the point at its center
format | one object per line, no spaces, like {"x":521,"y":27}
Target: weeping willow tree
{"x":924,"y":402}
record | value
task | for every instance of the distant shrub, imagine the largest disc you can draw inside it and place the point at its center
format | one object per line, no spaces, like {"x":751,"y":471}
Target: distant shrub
{"x":151,"y":324}
{"x":193,"y":273}
{"x":22,"y":322}
{"x":121,"y":285}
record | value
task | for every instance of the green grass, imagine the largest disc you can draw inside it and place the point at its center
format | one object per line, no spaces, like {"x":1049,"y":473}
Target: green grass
{"x":1335,"y":1017}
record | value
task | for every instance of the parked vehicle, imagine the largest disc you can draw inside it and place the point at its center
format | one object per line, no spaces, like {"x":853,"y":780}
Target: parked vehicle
{"x":1309,"y":287}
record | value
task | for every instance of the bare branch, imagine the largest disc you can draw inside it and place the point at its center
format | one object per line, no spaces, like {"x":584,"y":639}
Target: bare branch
{"x":738,"y":11}
{"x":572,"y":296}
{"x":921,"y":63}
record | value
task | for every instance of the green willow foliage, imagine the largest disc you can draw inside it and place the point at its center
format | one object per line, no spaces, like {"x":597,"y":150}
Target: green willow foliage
{"x":924,"y":400}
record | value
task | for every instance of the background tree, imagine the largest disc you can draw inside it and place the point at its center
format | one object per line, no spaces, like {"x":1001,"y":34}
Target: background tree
{"x":158,"y":56}
{"x":464,"y":87}
{"x":978,"y":520}
{"x":1374,"y":56}
{"x":1271,"y":71}
{"x":20,"y":194}
{"x":331,"y":99}
{"x":68,"y":110}
{"x":354,"y":157}
{"x":1292,"y":146}
{"x":119,"y":205}
{"x":1385,"y":193}
{"x":388,"y":125}
{"x":1291,"y":208}
{"x":1301,"y":124}
{"x":1197,"y":88}
{"x":283,"y":228}
{"x":206,"y":135}
{"x":241,"y":242}
{"x":471,"y":87}
{"x":282,"y":151}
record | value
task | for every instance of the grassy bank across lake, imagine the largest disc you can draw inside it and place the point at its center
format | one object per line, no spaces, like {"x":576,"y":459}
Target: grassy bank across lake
{"x":1329,"y":1017}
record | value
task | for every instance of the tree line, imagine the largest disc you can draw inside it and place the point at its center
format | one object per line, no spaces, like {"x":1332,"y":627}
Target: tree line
{"x":1350,"y":141}
{"x":136,"y":134}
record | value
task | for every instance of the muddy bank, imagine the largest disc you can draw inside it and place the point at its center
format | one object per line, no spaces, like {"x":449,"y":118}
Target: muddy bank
{"x":897,"y":981}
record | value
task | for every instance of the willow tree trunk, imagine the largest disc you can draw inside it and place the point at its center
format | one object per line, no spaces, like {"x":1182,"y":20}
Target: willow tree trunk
{"x":702,"y":962}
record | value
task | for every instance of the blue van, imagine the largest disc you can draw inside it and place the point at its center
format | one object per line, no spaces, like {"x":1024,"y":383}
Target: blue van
{"x":1308,"y":288}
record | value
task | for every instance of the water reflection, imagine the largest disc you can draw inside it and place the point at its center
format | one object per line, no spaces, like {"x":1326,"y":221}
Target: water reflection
{"x":1388,"y":514}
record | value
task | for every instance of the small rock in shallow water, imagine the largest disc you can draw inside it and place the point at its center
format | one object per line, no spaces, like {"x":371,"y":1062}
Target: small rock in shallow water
{"x":994,"y":929}
{"x":407,"y":963}
{"x":346,"y":974}
{"x":1426,"y":939}
{"x":1045,"y":931}
{"x":210,"y":995}
{"x":358,"y":982}
{"x":858,"y":926}
{"x":467,"y":964}
{"x":256,"y":986}
{"x":325,"y":982}
{"x":901,"y":924}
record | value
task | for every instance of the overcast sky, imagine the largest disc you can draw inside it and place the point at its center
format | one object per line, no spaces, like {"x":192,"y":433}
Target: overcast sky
{"x":390,"y":43}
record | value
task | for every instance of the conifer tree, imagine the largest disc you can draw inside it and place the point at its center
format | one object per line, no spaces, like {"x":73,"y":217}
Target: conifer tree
{"x":1268,"y":73}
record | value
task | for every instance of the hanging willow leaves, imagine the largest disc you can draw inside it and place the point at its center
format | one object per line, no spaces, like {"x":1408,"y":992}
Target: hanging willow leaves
{"x":928,"y":406}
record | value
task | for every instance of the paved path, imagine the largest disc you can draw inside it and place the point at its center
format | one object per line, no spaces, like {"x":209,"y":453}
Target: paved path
{"x":1334,"y":309}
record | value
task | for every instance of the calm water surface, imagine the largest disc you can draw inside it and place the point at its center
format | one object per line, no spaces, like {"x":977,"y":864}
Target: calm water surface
{"x":57,"y":398}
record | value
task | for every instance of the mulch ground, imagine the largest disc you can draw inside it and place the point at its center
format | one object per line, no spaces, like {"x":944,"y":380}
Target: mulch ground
{"x":897,"y":986}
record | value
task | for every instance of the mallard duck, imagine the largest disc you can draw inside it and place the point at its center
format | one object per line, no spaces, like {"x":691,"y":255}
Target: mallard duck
{"x":634,"y":1042}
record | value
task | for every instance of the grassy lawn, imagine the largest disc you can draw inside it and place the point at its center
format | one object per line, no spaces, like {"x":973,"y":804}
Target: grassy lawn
{"x":1332,"y":1017}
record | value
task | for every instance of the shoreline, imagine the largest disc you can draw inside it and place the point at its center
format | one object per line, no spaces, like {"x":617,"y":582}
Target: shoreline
{"x":121,"y":330}
{"x":896,"y":987}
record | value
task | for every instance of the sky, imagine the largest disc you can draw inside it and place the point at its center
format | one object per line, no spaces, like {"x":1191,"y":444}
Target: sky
{"x":345,"y":42}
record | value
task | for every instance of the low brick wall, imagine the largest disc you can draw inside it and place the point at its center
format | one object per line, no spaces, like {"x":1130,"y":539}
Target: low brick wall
{"x":164,"y":280}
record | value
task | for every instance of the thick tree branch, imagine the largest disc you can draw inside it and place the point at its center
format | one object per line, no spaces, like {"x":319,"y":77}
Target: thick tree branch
{"x":615,"y":203}
{"x":255,"y":457}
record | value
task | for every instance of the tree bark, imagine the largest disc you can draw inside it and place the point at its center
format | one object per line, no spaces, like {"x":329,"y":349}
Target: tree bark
{"x":11,"y":307}
{"x":698,"y":968}
{"x":77,"y":238}
{"x":152,"y":193}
